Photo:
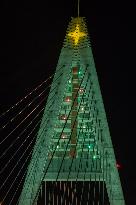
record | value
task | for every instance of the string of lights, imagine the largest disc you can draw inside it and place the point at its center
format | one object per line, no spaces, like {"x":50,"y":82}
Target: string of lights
{"x":81,"y":151}
{"x":25,"y":97}
{"x":22,"y":122}
{"x":21,"y":146}
{"x":19,"y":184}
{"x":42,"y":124}
{"x":18,"y":137}
{"x":76,"y":141}
{"x":45,"y":172}
{"x":27,"y":106}
{"x":18,"y":172}
{"x":85,"y":171}
{"x":22,"y":131}
{"x":63,"y":160}
{"x":21,"y":178}
{"x":34,"y":151}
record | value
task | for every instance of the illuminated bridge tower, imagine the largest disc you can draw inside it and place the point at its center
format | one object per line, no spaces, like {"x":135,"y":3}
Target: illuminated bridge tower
{"x":73,"y":160}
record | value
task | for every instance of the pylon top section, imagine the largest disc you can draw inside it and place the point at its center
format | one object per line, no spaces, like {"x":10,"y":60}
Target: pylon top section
{"x":77,"y":35}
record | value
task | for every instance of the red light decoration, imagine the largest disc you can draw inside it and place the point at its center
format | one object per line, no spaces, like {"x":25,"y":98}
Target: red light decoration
{"x":75,"y":70}
{"x":118,"y":166}
{"x":68,"y":99}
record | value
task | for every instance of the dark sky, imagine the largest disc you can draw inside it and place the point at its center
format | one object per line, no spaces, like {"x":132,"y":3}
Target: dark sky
{"x":32,"y":35}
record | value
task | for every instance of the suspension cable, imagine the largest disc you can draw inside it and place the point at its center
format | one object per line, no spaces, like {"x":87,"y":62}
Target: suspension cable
{"x":28,"y":105}
{"x":21,"y":122}
{"x":37,"y":139}
{"x":26,"y":170}
{"x":4,"y":113}
{"x":16,"y":164}
{"x":20,"y":147}
{"x":18,"y":173}
{"x":23,"y":131}
{"x":25,"y":97}
{"x":16,"y":152}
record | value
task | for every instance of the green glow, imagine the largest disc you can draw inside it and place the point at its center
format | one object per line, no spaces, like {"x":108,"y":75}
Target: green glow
{"x":90,"y":146}
{"x":94,"y":156}
{"x":82,"y":60}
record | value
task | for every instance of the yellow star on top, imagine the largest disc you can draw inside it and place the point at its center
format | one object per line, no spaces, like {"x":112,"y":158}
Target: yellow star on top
{"x":76,"y":35}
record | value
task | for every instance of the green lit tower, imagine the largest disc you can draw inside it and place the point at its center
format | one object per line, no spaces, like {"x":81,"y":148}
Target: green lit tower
{"x":73,"y":150}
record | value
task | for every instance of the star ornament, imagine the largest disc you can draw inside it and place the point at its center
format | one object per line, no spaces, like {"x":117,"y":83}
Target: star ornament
{"x":76,"y":35}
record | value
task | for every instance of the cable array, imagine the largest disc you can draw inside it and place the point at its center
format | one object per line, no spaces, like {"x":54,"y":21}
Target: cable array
{"x":38,"y":109}
{"x":28,"y":141}
{"x":25,"y":97}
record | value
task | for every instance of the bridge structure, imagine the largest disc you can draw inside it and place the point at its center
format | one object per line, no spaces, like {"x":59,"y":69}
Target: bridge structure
{"x":72,"y":159}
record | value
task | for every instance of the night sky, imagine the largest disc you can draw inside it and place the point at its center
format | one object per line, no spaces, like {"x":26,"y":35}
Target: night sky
{"x":32,"y":35}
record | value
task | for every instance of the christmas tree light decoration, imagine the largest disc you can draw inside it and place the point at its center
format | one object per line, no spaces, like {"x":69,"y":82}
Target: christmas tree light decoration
{"x":82,"y":147}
